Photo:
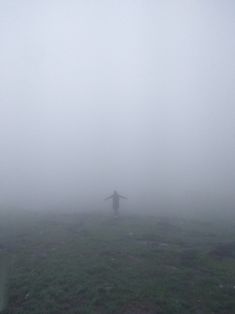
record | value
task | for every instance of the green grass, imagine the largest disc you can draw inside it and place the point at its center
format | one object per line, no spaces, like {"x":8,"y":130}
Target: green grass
{"x":91,"y":263}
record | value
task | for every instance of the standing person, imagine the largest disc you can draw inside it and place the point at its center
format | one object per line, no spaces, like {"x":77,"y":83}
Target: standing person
{"x":116,"y":201}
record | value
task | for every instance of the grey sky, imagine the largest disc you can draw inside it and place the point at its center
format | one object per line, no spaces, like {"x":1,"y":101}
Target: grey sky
{"x":133,"y":95}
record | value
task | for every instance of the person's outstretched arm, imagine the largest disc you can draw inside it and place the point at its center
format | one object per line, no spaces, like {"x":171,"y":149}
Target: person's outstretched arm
{"x":125,"y":198}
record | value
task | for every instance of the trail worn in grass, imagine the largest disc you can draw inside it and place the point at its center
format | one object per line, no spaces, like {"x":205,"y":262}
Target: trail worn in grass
{"x":90,"y":263}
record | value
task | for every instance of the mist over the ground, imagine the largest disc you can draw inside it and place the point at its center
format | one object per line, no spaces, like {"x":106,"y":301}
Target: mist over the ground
{"x":131,"y":95}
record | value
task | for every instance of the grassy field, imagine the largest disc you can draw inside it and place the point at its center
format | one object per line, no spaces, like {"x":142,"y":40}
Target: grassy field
{"x":93,"y":263}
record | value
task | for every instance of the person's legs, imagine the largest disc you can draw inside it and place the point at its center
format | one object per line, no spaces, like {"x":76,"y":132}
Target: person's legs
{"x":116,"y":212}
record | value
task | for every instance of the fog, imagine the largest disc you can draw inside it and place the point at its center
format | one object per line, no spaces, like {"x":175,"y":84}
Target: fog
{"x":131,"y":95}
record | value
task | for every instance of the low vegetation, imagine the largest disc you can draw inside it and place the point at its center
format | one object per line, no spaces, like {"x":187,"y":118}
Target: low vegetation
{"x":92,"y":263}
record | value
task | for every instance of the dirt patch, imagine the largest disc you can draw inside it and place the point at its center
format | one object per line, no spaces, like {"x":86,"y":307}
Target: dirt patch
{"x":188,"y":258}
{"x":224,"y":250}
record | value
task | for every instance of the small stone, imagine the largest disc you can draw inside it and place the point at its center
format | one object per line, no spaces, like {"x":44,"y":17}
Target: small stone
{"x":27,"y":296}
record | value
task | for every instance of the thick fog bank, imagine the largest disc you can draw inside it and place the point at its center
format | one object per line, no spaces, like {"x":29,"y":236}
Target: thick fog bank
{"x":136,"y":96}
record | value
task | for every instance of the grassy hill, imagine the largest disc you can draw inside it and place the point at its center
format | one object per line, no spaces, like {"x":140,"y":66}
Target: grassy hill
{"x":92,"y":263}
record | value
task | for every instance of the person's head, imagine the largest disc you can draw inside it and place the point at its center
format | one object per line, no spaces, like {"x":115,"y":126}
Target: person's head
{"x":115,"y":192}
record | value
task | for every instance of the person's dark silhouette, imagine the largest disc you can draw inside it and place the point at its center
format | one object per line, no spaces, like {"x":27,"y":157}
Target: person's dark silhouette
{"x":116,"y":201}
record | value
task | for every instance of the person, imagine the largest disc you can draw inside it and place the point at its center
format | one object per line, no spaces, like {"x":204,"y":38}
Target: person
{"x":116,"y":201}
